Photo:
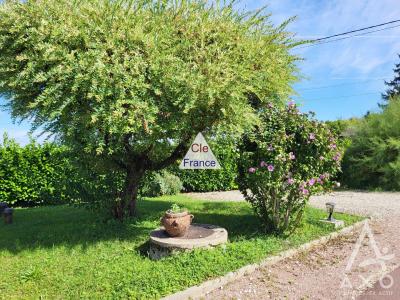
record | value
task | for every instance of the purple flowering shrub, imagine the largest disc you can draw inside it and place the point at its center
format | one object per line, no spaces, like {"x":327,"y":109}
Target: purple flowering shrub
{"x":287,"y":158}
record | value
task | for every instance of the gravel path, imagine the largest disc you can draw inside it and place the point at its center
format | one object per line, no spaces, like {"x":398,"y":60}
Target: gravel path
{"x":325,"y":271}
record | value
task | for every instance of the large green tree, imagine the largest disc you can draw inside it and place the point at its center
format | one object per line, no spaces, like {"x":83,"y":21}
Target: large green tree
{"x":127,"y":84}
{"x":393,"y":86}
{"x":372,"y":161}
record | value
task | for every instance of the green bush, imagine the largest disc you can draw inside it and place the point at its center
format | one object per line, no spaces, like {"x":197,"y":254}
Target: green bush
{"x":224,"y":179}
{"x":48,"y":174}
{"x":285,"y":160}
{"x":32,"y":175}
{"x":372,"y":161}
{"x":160,"y":183}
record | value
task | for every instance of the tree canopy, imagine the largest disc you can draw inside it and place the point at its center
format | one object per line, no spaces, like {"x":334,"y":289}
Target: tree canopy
{"x":373,"y":159}
{"x":393,"y":86}
{"x":127,"y":84}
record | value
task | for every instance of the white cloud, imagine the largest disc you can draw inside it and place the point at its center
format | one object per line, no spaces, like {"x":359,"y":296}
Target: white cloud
{"x":359,"y":56}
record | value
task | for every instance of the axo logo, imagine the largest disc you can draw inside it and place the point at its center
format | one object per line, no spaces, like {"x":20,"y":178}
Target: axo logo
{"x":379,"y":261}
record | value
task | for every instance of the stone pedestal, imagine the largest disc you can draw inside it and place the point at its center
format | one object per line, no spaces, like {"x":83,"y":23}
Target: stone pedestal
{"x":197,"y":236}
{"x":336,"y":223}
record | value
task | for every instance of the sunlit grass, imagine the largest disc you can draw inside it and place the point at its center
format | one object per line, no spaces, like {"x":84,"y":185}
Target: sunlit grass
{"x":68,"y":252}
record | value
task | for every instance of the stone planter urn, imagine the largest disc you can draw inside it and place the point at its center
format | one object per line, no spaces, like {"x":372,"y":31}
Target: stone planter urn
{"x":176,"y":224}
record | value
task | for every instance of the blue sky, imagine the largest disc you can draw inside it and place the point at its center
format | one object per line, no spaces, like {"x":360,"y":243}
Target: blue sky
{"x":343,"y":79}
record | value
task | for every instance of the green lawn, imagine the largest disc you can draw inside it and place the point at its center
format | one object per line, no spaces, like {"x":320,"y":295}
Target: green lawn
{"x":66,"y":252}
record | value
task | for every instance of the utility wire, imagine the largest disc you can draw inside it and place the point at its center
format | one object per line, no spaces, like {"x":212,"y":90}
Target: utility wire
{"x":347,"y":37}
{"x":356,"y":30}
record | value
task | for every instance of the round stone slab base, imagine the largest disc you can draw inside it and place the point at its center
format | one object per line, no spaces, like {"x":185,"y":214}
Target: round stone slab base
{"x":336,"y":223}
{"x":197,"y":236}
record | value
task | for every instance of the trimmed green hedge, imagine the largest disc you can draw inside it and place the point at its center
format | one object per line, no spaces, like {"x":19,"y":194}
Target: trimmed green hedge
{"x":32,"y":175}
{"x":47,"y":174}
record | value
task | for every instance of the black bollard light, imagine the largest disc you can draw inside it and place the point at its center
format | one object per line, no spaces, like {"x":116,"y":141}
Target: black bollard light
{"x":8,"y":215}
{"x":330,"y":207}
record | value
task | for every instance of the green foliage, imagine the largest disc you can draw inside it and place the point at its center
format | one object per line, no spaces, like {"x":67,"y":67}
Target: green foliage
{"x":344,"y":128}
{"x":127,"y":84}
{"x":32,"y":175}
{"x":393,"y":90}
{"x":36,"y":174}
{"x":285,"y":160}
{"x":175,"y":208}
{"x":225,"y":150}
{"x":160,"y":183}
{"x":373,"y":158}
{"x":70,"y":253}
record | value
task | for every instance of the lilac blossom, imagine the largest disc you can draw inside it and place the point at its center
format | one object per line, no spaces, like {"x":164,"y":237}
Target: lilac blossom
{"x":252,"y":170}
{"x":324,"y":176}
{"x":270,"y":168}
{"x":311,"y":137}
{"x":263,"y":164}
{"x":290,"y":181}
{"x":336,"y":157}
{"x":311,"y":182}
{"x":304,"y":191}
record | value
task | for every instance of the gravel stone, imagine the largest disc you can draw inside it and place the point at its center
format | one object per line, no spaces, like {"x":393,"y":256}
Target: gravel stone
{"x":320,"y":273}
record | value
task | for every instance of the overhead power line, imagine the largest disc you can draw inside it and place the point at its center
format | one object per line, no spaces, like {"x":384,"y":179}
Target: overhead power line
{"x":325,"y":40}
{"x":356,"y":30}
{"x":347,"y":37}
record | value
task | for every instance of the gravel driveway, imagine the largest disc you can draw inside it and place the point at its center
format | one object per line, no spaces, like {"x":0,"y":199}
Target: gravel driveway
{"x":326,"y":272}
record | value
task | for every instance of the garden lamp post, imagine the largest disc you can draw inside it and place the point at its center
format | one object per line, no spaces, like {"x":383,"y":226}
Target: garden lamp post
{"x":330,"y":206}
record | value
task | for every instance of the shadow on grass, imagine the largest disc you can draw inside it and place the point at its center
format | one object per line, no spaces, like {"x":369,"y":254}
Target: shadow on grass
{"x":47,"y":227}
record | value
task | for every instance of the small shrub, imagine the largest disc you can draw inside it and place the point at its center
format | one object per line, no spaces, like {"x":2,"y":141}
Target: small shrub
{"x":287,"y":158}
{"x":161,"y":183}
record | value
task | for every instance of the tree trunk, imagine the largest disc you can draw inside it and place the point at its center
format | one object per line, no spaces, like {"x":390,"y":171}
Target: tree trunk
{"x":131,"y":190}
{"x":127,"y":204}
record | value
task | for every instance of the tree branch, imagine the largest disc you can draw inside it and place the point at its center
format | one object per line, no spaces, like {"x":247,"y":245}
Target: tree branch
{"x":177,"y":153}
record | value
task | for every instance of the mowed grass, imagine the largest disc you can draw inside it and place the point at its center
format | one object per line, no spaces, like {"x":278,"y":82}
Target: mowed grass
{"x":64,"y":252}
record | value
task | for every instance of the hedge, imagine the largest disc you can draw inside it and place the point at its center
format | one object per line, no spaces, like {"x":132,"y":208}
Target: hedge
{"x":32,"y":175}
{"x":48,"y":174}
{"x":45,"y":174}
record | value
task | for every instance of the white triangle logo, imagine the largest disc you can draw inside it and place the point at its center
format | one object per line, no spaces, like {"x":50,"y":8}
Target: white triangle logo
{"x":199,"y":156}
